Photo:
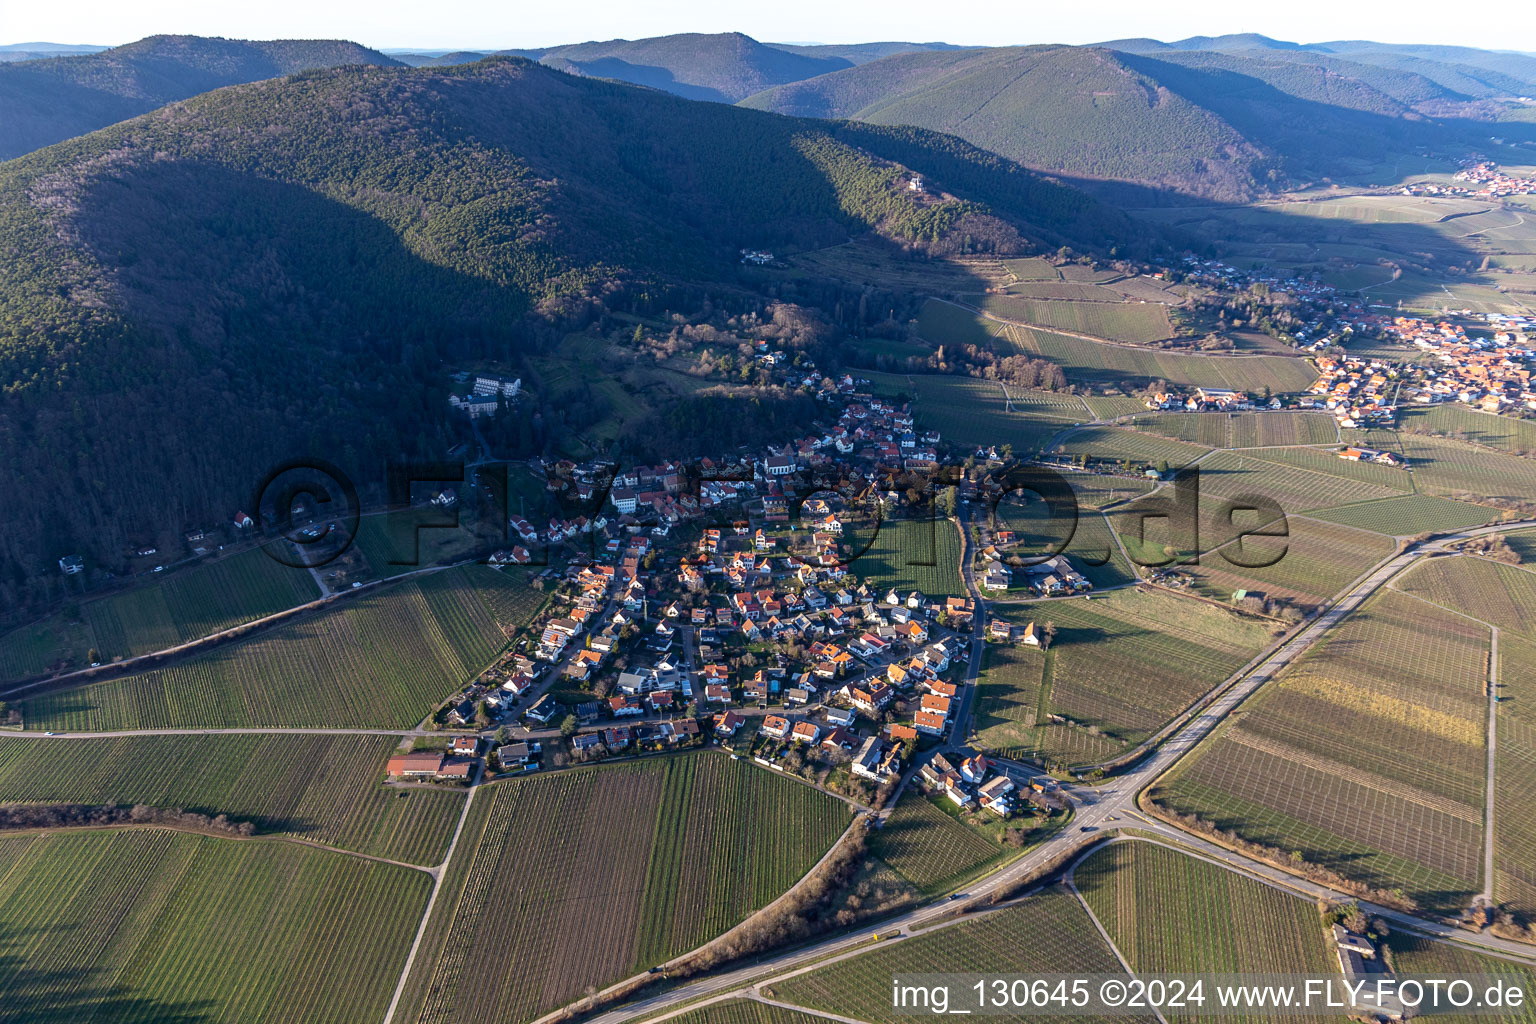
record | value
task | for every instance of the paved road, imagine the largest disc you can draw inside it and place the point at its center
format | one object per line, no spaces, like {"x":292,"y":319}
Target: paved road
{"x":1111,"y":805}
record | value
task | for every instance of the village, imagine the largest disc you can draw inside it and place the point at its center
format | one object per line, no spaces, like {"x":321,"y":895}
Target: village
{"x":1483,"y":180}
{"x":719,"y":605}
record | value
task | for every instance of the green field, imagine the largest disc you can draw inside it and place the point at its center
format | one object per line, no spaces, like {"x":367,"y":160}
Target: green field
{"x":1503,"y":595}
{"x":1106,"y":407}
{"x":1068,"y":291}
{"x":1312,"y":563}
{"x":1032,"y":269}
{"x":404,"y":541}
{"x":745,"y":1011}
{"x":945,"y":323}
{"x":1296,"y":488}
{"x":1408,"y":515}
{"x":155,"y":926}
{"x":580,"y":878}
{"x":1085,"y":360}
{"x":1464,"y":423}
{"x":1286,"y":770}
{"x":982,"y":413}
{"x":1088,"y":542}
{"x":183,"y":605}
{"x":929,"y":847}
{"x":1242,"y":429}
{"x":1121,"y":666}
{"x":1048,"y":933}
{"x":324,"y":789}
{"x":1095,"y":491}
{"x":910,"y":554}
{"x":1514,"y":774}
{"x":1170,"y":913}
{"x":382,"y":659}
{"x":1013,"y":688}
{"x":1113,"y":444}
{"x":1130,"y":322}
{"x":1419,"y":957}
{"x":1458,"y":469}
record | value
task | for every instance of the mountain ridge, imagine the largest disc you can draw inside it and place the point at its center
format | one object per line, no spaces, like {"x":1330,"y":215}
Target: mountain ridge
{"x":191,"y":295}
{"x":56,"y":98}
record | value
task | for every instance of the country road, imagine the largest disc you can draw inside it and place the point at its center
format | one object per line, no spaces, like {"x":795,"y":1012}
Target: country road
{"x":1112,"y":805}
{"x":1108,"y":806}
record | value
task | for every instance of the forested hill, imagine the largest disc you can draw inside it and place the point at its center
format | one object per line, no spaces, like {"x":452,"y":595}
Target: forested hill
{"x":1207,"y":122}
{"x":1075,"y":110}
{"x":49,"y":100}
{"x":282,"y":267}
{"x":724,"y":67}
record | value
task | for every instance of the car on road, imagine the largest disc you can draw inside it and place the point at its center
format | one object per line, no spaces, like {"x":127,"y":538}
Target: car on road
{"x":1089,"y":828}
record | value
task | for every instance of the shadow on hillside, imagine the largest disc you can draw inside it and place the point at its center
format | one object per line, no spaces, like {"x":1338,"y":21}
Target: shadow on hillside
{"x":640,"y":74}
{"x":38,"y":992}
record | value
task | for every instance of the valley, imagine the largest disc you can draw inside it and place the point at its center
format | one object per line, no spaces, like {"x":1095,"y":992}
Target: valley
{"x":693,"y":528}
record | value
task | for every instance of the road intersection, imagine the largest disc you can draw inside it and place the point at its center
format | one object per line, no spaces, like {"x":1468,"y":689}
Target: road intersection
{"x":1109,"y":805}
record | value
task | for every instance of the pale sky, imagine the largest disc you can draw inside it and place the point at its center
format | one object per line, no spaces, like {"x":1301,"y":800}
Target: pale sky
{"x":487,"y":25}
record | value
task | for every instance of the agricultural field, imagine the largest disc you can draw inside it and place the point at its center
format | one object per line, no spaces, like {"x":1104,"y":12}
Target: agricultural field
{"x":1408,"y":515}
{"x":1314,"y":561}
{"x":1419,"y":957}
{"x":1270,"y":429}
{"x":1136,"y":323}
{"x":180,"y":606}
{"x":866,"y":263}
{"x":1208,"y":430}
{"x":1128,"y":661}
{"x":145,"y":925}
{"x":675,"y":851}
{"x":745,"y":1011}
{"x":1108,"y":407}
{"x":381,"y":659}
{"x":1064,"y":291}
{"x":1014,"y":685}
{"x":911,"y":554}
{"x":1382,"y":480}
{"x":1088,"y":541}
{"x":1136,"y":447}
{"x":1499,"y":594}
{"x":1514,"y":778}
{"x":944,"y":323}
{"x":1145,"y":289}
{"x":1032,"y":269}
{"x":928,"y":846}
{"x":1085,"y":360}
{"x":1457,"y":469}
{"x":393,"y":544}
{"x":970,"y":411}
{"x":1170,"y":913}
{"x":1095,"y":491}
{"x":1463,"y":423}
{"x":1229,"y":474}
{"x":1399,"y":675}
{"x":1121,"y":665}
{"x":1049,"y":932}
{"x":1524,"y":544}
{"x":324,"y":789}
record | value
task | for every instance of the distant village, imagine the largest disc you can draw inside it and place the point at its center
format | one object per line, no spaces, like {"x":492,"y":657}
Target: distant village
{"x":1479,"y":179}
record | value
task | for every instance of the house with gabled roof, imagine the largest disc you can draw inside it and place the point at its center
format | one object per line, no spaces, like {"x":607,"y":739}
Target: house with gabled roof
{"x":929,"y":722}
